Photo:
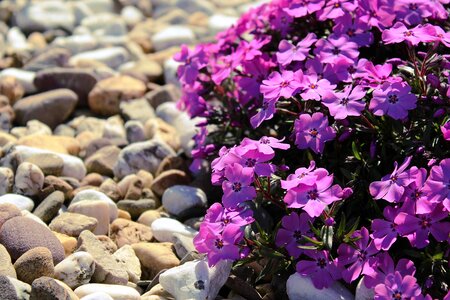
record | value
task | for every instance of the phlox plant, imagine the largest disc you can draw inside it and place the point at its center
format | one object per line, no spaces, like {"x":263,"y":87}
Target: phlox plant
{"x":332,"y":117}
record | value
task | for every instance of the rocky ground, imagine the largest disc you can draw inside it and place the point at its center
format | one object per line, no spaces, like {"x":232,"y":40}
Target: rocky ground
{"x":96,"y":200}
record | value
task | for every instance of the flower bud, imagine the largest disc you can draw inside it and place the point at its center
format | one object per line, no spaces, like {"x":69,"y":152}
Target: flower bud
{"x":329,"y":221}
{"x":439,"y":113}
{"x":345,"y":135}
{"x":346,"y":192}
{"x":420,"y":150}
{"x":433,"y":80}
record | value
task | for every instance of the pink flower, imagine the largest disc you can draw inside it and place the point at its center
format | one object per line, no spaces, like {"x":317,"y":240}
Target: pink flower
{"x":265,"y":112}
{"x":314,"y":88}
{"x":437,"y":185}
{"x":312,"y":131}
{"x":393,"y":100}
{"x":322,"y":269}
{"x":302,"y":8}
{"x":399,"y":33}
{"x":293,"y":228}
{"x":335,"y":47}
{"x":288,"y":52}
{"x":345,"y":103}
{"x":397,"y":287}
{"x":446,"y":131}
{"x":335,"y":8}
{"x":376,"y":13}
{"x":385,"y":230}
{"x":237,"y":189}
{"x":284,"y":84}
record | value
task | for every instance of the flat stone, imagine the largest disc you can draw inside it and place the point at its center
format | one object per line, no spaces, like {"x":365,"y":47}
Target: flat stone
{"x":135,"y":131}
{"x":195,"y":280}
{"x":107,"y":269}
{"x":111,"y":56}
{"x":11,"y":288}
{"x":126,"y":232}
{"x":57,"y":144}
{"x":76,"y":269}
{"x":301,"y":287}
{"x":50,"y":206}
{"x":107,"y":94}
{"x":6,"y":266}
{"x":174,"y":181}
{"x":136,"y":207}
{"x":116,"y":292}
{"x":172,"y":36}
{"x":103,"y":160}
{"x":56,"y":57}
{"x":29,"y":179}
{"x":93,"y":195}
{"x":73,"y":224}
{"x":46,"y":288}
{"x":137,"y":109}
{"x":130,"y":262}
{"x":51,"y":108}
{"x":50,"y":164}
{"x":155,"y":257}
{"x":141,"y":156}
{"x":80,"y":81}
{"x":164,"y":229}
{"x":21,"y":234}
{"x":34,"y":263}
{"x":21,"y":202}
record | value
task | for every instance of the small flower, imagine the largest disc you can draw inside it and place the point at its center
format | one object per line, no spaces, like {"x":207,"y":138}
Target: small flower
{"x":445,"y":129}
{"x":304,"y":7}
{"x":437,"y":186}
{"x":322,"y":270}
{"x":315,"y":88}
{"x":284,"y":84}
{"x":385,"y":230}
{"x":397,"y":287}
{"x":312,"y":131}
{"x":237,"y":189}
{"x":293,"y":228}
{"x":355,"y":29}
{"x":336,"y":47}
{"x":394,"y":100}
{"x":264,"y":113}
{"x":288,"y":53}
{"x":399,"y":33}
{"x":355,"y":261}
{"x":218,"y":217}
{"x":345,"y":103}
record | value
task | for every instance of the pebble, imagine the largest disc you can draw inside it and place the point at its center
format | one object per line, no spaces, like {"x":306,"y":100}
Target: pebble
{"x":148,"y":217}
{"x":107,"y":269}
{"x":106,"y":96}
{"x":111,"y":57}
{"x":141,"y":156}
{"x":172,"y":36}
{"x":6,"y":180}
{"x":178,"y":199}
{"x":155,"y":257}
{"x":130,"y":262}
{"x":195,"y":280}
{"x":183,"y":244}
{"x":69,"y":243}
{"x":164,"y":229}
{"x":92,"y":195}
{"x":126,"y":232}
{"x":50,"y":206}
{"x":46,"y":288}
{"x":6,"y":266}
{"x":11,"y":88}
{"x":25,"y":78}
{"x":52,"y":107}
{"x":103,"y":161}
{"x":95,"y":209}
{"x":72,"y":224}
{"x":137,"y":109}
{"x":135,"y":131}
{"x":29,"y":179}
{"x":362,"y":292}
{"x":166,"y":93}
{"x":49,"y":163}
{"x":116,"y":292}
{"x":136,"y":207}
{"x":58,"y":144}
{"x":76,"y":269}
{"x":158,"y":129}
{"x":20,"y":234}
{"x":21,"y":202}
{"x":11,"y":288}
{"x":34,"y":263}
{"x":97,"y":296}
{"x":218,"y":22}
{"x":76,"y":43}
{"x":56,"y":57}
{"x":301,"y":287}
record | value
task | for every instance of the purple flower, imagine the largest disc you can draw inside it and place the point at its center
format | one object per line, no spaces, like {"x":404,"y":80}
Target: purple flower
{"x":312,"y":131}
{"x":236,"y":188}
{"x":305,"y":175}
{"x":314,"y":88}
{"x":335,"y":47}
{"x":355,"y":261}
{"x":412,"y":12}
{"x":293,"y":228}
{"x":345,"y":103}
{"x":322,"y":269}
{"x":192,"y":62}
{"x":375,"y":13}
{"x":418,"y":227}
{"x":355,"y":29}
{"x":393,"y":100}
{"x":414,"y":192}
{"x":219,"y":246}
{"x":398,"y":287}
{"x":265,"y":145}
{"x":335,"y":8}
{"x":315,"y":66}
{"x":399,"y":33}
{"x":446,"y":131}
{"x":391,"y":187}
{"x":252,"y":158}
{"x":217,"y":217}
{"x":304,"y":7}
{"x":281,"y":85}
{"x":437,"y":186}
{"x":376,"y":75}
{"x":288,"y":52}
{"x":385,"y":230}
{"x":265,"y":112}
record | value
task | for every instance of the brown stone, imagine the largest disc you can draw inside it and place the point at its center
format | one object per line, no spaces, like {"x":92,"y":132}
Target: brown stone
{"x":126,"y":232}
{"x":60,"y":144}
{"x":69,"y":242}
{"x":148,"y":217}
{"x":8,"y":211}
{"x":92,"y":179}
{"x":49,"y":163}
{"x":58,"y":184}
{"x":73,"y":224}
{"x":155,"y":257}
{"x":103,"y":161}
{"x":34,"y":263}
{"x":158,"y":129}
{"x":167,"y":179}
{"x":11,"y":88}
{"x":165,"y":93}
{"x":6,"y":267}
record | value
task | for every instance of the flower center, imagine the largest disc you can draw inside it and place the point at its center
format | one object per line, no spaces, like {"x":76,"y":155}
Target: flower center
{"x":408,"y":33}
{"x":344,"y":101}
{"x":297,"y":235}
{"x":416,"y":194}
{"x":336,"y":51}
{"x":313,"y":86}
{"x":397,"y":295}
{"x":394,"y":178}
{"x":237,"y":187}
{"x":362,"y":255}
{"x":413,"y":6}
{"x":264,"y":141}
{"x":351,"y":69}
{"x":313,"y":195}
{"x":322,"y":263}
{"x":393,"y":226}
{"x":337,"y":5}
{"x":226,"y":221}
{"x":313,"y":132}
{"x":284,"y":84}
{"x":393,"y":98}
{"x":218,"y":243}
{"x":351,"y":32}
{"x":251,"y":162}
{"x":425,"y":222}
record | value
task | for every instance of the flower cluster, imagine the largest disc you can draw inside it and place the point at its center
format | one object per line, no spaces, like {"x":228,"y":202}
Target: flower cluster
{"x":307,"y":104}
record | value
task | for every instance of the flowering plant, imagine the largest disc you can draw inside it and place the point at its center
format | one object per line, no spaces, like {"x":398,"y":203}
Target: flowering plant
{"x":333,"y":116}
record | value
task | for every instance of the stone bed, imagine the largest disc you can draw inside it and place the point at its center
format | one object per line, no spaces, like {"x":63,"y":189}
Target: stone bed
{"x":96,"y":200}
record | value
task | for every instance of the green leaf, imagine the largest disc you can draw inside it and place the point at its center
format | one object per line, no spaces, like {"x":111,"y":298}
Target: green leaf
{"x":315,"y":242}
{"x":327,"y":236}
{"x":308,"y":247}
{"x":355,"y":151}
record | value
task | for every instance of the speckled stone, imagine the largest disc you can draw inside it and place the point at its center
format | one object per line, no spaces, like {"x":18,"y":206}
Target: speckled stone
{"x":34,"y":263}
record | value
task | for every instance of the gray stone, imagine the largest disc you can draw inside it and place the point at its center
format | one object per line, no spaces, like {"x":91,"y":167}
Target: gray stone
{"x":179,"y":198}
{"x":172,"y":36}
{"x":13,"y":289}
{"x":76,"y":43}
{"x":107,"y":269}
{"x":165,"y":93}
{"x":112,"y":57}
{"x":164,"y":229}
{"x":183,"y":244}
{"x":141,"y":156}
{"x":137,"y":109}
{"x":49,"y":163}
{"x":136,"y":207}
{"x":51,"y":108}
{"x":56,"y":57}
{"x":29,"y":179}
{"x":6,"y":180}
{"x":103,"y":161}
{"x":50,"y":206}
{"x":362,"y":292}
{"x":195,"y":280}
{"x":130,"y":262}
{"x":105,"y":24}
{"x":76,"y":269}
{"x":301,"y":287}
